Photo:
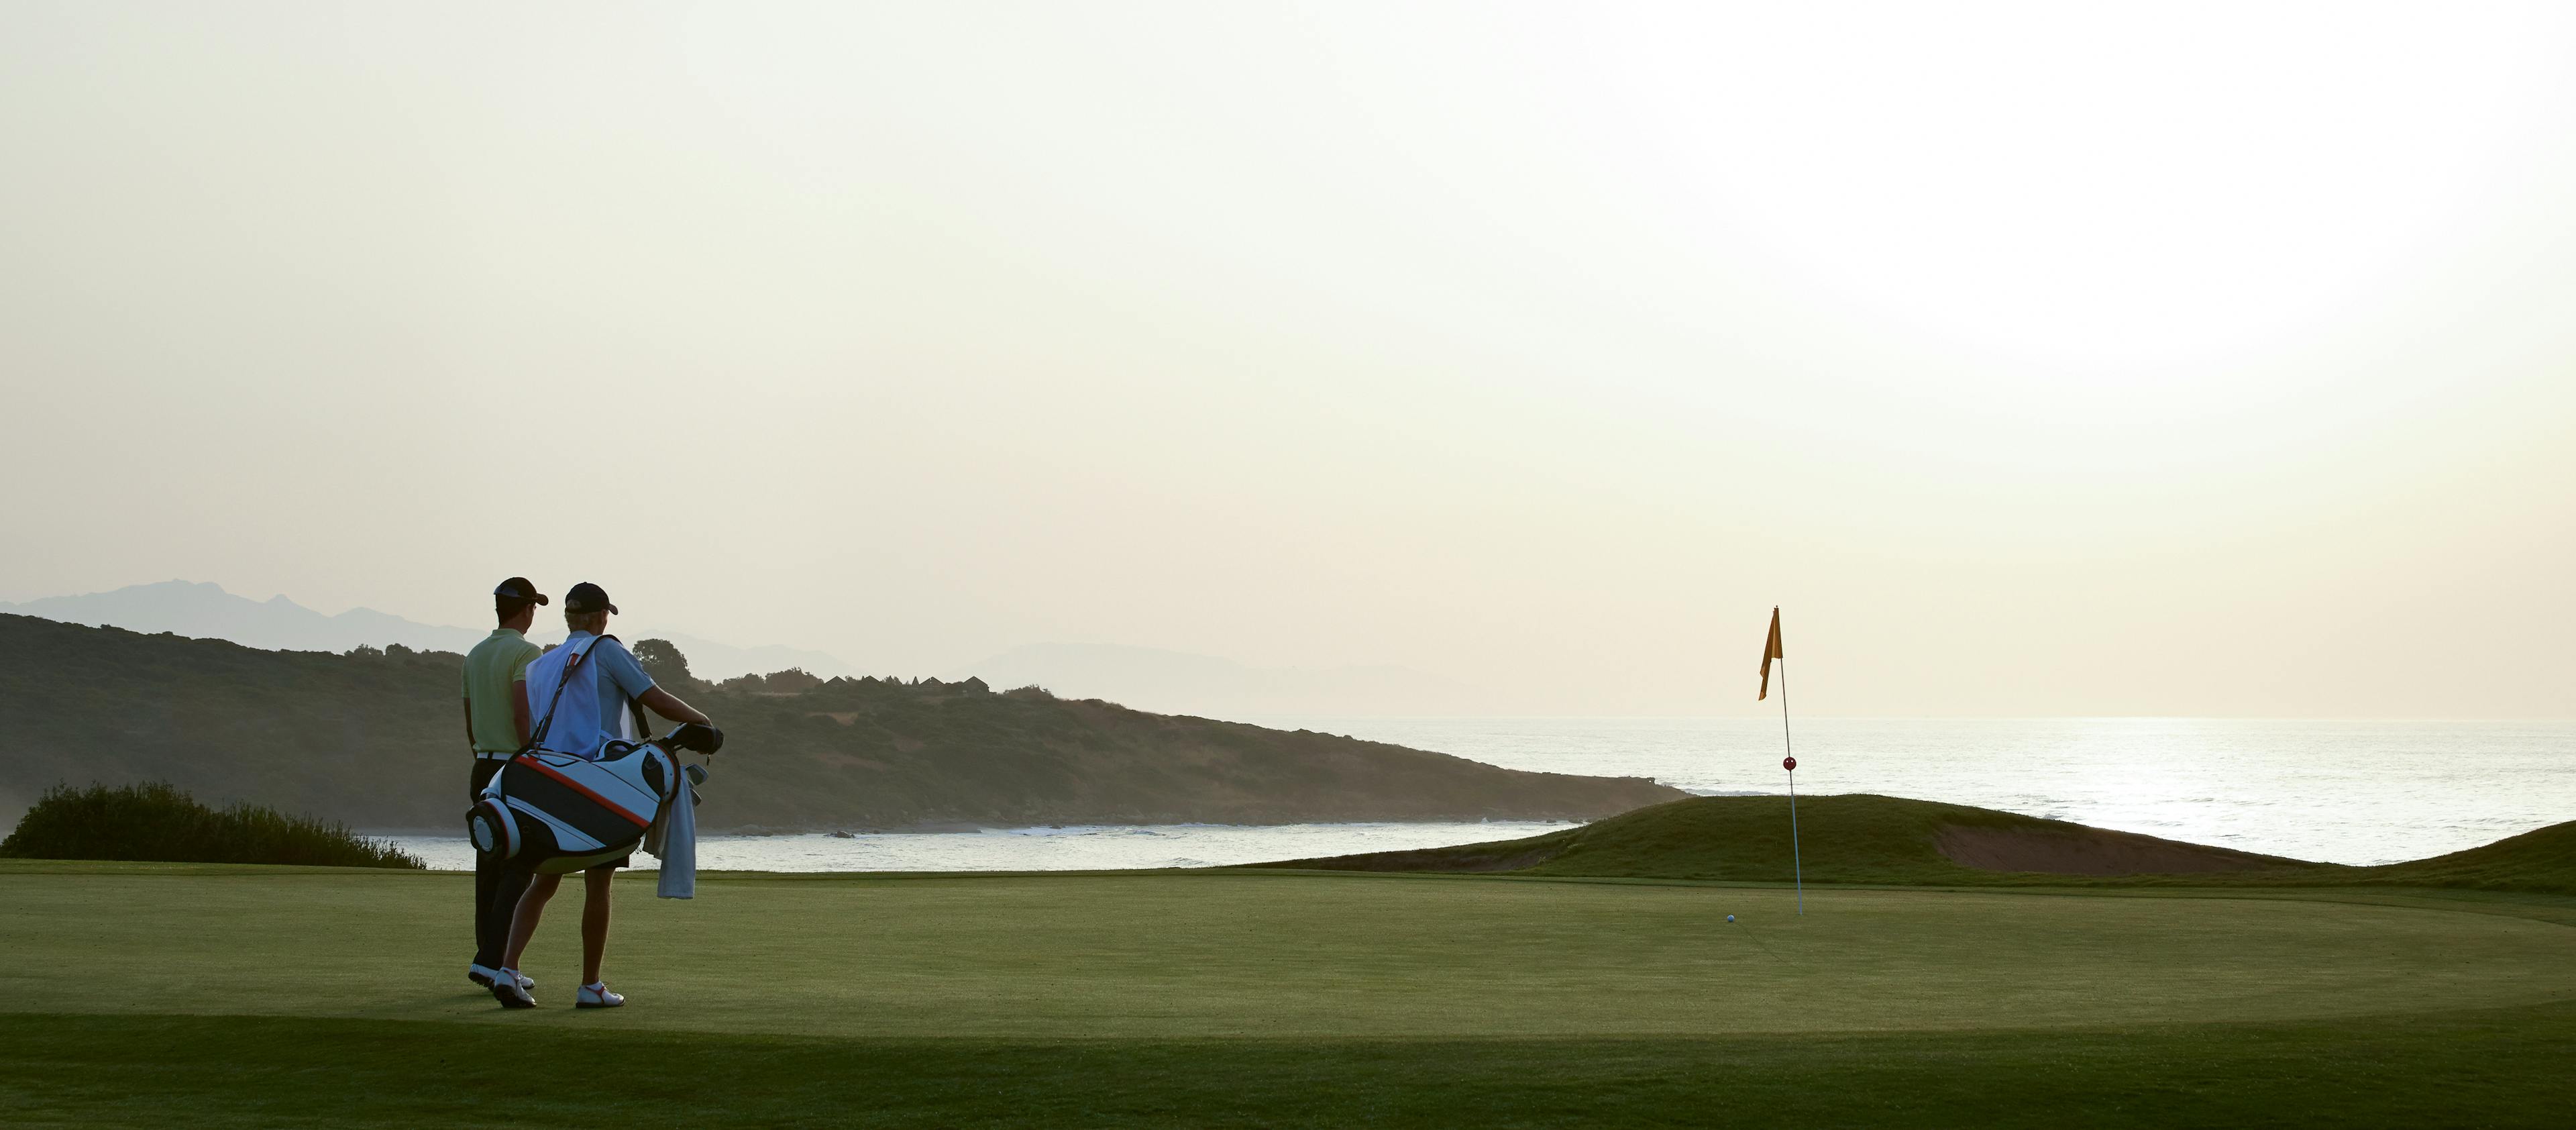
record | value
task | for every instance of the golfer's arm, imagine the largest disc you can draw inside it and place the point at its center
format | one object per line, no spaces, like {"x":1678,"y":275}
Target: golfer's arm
{"x":469,"y":723}
{"x":669,"y":706}
{"x":519,"y":711}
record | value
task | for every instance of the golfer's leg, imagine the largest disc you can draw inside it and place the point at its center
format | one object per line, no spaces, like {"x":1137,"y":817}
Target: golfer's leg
{"x":491,"y":918}
{"x":509,"y":885}
{"x":594,"y":921}
{"x":491,"y":931}
{"x":523,"y":922}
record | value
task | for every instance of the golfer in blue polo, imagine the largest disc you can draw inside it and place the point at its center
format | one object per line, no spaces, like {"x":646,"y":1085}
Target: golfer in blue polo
{"x":604,"y":702}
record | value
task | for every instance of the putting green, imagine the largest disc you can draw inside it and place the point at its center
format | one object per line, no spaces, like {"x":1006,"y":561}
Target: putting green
{"x":1192,"y":955}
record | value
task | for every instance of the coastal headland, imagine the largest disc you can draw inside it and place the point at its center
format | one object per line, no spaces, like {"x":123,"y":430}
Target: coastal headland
{"x":372,"y":739}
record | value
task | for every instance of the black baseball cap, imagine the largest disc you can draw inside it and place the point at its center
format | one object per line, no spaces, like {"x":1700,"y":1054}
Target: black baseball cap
{"x":519,"y":588}
{"x":587,"y":597}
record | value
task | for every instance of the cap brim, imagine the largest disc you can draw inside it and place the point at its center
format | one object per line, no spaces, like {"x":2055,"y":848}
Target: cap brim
{"x":612,"y":608}
{"x":541,"y":599}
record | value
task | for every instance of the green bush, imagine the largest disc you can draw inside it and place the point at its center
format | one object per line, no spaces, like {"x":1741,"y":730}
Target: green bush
{"x":156,"y":821}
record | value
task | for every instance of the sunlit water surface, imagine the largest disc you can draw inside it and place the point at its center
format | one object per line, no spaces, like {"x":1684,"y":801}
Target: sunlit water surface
{"x":2342,"y":791}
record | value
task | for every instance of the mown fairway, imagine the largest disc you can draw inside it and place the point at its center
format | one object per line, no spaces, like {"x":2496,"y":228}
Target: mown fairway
{"x":1291,"y":999}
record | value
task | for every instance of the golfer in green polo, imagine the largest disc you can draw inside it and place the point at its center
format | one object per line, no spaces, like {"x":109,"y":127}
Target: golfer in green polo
{"x":496,"y":724}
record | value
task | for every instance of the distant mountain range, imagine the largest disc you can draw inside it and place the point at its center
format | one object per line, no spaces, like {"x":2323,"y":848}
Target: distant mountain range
{"x":205,"y":611}
{"x":1175,"y":682}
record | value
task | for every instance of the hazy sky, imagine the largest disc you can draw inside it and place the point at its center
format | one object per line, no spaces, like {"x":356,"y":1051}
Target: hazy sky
{"x":2040,"y":359}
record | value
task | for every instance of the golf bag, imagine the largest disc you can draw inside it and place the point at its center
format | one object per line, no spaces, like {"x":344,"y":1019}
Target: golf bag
{"x":557,"y":813}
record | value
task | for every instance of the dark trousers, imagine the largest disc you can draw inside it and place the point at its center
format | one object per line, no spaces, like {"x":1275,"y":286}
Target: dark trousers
{"x":497,"y":885}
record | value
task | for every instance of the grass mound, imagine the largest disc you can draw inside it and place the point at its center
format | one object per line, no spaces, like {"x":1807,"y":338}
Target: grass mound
{"x":1861,"y":838}
{"x":1851,"y":838}
{"x":2540,"y":861}
{"x":155,"y":821}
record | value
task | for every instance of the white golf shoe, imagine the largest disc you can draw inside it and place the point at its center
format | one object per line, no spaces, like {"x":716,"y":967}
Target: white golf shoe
{"x":507,"y":990}
{"x":484,"y":975}
{"x":596,"y":995}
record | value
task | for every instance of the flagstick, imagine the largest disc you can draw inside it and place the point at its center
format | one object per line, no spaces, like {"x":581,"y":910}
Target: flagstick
{"x":1798,"y":867}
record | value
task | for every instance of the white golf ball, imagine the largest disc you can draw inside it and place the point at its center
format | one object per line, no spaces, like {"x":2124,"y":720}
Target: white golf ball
{"x":1730,"y":918}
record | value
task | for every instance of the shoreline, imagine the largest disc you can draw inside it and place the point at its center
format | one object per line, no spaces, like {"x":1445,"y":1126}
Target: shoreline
{"x":1070,"y":847}
{"x":966,"y":827}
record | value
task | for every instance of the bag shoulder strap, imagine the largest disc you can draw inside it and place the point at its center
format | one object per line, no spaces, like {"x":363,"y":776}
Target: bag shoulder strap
{"x":537,"y":737}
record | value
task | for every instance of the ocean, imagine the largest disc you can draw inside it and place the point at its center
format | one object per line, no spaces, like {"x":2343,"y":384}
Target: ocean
{"x":2337,"y":791}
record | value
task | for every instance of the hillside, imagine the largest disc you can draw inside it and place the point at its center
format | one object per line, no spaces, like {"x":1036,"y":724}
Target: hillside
{"x":374,"y":740}
{"x":2543,"y":860}
{"x":205,"y":611}
{"x":1887,"y":840}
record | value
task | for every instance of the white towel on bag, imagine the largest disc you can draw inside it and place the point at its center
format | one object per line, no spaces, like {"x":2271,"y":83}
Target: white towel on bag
{"x":679,"y":843}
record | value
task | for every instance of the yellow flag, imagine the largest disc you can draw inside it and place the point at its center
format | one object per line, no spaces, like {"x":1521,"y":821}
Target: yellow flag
{"x":1770,"y":651}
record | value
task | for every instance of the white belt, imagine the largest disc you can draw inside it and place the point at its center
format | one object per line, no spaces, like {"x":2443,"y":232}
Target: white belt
{"x":488,"y":755}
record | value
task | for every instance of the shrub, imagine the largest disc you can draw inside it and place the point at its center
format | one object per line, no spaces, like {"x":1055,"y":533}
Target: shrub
{"x":793,"y":680}
{"x":662,"y":660}
{"x":155,"y":821}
